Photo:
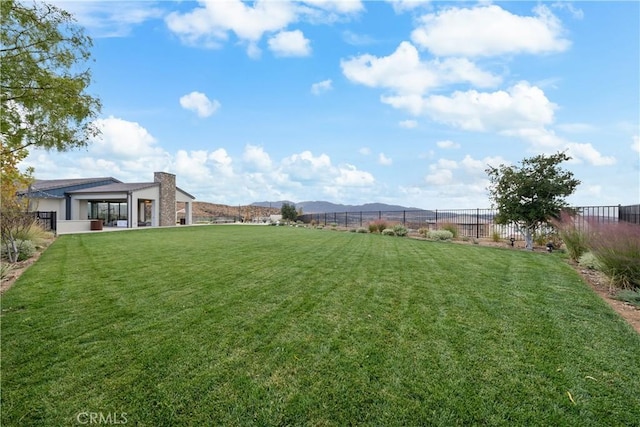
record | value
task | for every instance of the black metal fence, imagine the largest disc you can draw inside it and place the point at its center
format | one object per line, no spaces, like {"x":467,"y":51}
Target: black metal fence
{"x":47,"y":220}
{"x":478,"y":223}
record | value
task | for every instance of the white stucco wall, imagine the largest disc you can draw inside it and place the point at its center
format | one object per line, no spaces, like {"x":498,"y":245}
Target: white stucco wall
{"x":49,"y":205}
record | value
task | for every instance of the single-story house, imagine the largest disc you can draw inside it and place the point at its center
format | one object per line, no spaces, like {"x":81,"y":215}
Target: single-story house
{"x":81,"y":203}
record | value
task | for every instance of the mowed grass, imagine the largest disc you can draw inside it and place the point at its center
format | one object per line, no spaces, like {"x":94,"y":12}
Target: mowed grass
{"x":248,"y":325}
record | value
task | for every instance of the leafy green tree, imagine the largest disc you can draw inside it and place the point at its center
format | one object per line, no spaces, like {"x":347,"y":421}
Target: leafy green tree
{"x":288,"y":212}
{"x":42,"y":79}
{"x":532,"y":194}
{"x":43,"y":98}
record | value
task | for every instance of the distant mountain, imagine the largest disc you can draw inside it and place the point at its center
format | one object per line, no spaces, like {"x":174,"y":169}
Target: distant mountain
{"x":322,"y":207}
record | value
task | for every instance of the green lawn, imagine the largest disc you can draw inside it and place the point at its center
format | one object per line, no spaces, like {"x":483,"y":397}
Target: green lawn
{"x":250,"y":325}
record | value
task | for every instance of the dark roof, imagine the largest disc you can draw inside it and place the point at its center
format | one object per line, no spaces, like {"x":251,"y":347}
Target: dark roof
{"x":52,"y":184}
{"x":116,"y":187}
{"x":56,"y":188}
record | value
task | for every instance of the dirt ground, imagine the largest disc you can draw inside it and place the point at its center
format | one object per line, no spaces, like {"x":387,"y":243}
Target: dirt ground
{"x":596,"y":280}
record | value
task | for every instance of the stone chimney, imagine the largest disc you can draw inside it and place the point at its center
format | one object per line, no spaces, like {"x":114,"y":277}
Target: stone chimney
{"x":167,"y":198}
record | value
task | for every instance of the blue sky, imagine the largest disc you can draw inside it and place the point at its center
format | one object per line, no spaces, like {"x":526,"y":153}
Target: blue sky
{"x":402,"y":102}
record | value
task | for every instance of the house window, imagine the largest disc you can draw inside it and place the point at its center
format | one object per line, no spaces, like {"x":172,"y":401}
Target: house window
{"x":108,"y":212}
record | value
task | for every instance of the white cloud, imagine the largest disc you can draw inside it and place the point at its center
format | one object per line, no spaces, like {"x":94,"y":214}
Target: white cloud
{"x":365,"y":151}
{"x":403,"y":72}
{"x":356,"y":39}
{"x":447,"y":144}
{"x":221,"y":161}
{"x":408,"y":124}
{"x":102,"y":19}
{"x":400,"y":6}
{"x":321,"y":87}
{"x":210,"y":23}
{"x":305,"y":166}
{"x":440,"y":177}
{"x":350,"y":176}
{"x":521,"y":106}
{"x":635,"y":145}
{"x":488,"y":31}
{"x":576,"y":13}
{"x":384,"y":160}
{"x":199,"y":103}
{"x":475,"y":167}
{"x":193,"y":166}
{"x":445,"y":164}
{"x":337,"y":6}
{"x":257,"y":157}
{"x":290,"y":43}
{"x":590,"y":154}
{"x":123,"y":139}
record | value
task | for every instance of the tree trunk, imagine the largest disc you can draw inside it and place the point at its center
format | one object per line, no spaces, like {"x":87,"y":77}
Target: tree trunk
{"x":528,"y":239}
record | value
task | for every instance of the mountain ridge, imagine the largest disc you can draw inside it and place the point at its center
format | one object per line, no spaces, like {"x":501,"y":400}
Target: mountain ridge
{"x":309,"y":207}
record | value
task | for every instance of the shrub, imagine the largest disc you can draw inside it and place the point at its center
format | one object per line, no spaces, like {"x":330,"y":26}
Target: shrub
{"x":439,"y":235}
{"x":34,"y":233}
{"x":453,"y":228}
{"x":549,"y":236}
{"x":617,"y":248}
{"x":361,"y":230}
{"x":589,"y":260}
{"x":377,"y":226}
{"x":423,"y":231}
{"x":400,"y":230}
{"x":630,"y":296}
{"x":495,"y":236}
{"x":575,"y":239}
{"x":26,"y":249}
{"x":388,"y":232}
{"x":5,"y":269}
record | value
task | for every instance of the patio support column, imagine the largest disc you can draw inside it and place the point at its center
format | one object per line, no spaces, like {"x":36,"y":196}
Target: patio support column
{"x":188,"y":213}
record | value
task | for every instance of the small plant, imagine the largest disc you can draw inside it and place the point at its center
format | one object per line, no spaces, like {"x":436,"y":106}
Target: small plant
{"x":25,"y":249}
{"x":5,"y":269}
{"x":377,"y":226}
{"x":465,"y":238}
{"x":388,"y":232}
{"x":439,"y":235}
{"x":361,"y":230}
{"x":34,"y":232}
{"x":573,"y":238}
{"x":400,"y":230}
{"x":495,"y":236}
{"x":588,"y":260}
{"x":617,"y":248}
{"x":451,"y":227}
{"x":423,"y":231}
{"x":630,"y":296}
